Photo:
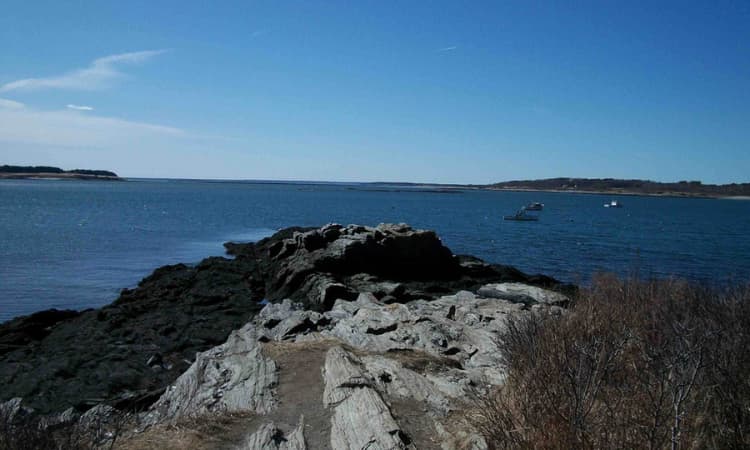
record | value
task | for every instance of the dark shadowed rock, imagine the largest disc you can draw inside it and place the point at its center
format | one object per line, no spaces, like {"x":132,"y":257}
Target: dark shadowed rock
{"x":55,"y":360}
{"x":23,"y":331}
{"x":317,"y":266}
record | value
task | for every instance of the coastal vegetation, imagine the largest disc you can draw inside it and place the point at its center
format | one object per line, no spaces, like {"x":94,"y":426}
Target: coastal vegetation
{"x":619,"y":186}
{"x":7,"y":171}
{"x":634,"y":364}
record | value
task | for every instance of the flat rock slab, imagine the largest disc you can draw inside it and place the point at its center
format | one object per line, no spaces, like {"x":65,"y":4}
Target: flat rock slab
{"x":233,"y":377}
{"x":523,"y":293}
{"x":361,"y":419}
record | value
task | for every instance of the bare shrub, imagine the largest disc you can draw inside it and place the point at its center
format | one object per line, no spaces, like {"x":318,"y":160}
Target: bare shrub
{"x":660,"y":364}
{"x":23,"y":430}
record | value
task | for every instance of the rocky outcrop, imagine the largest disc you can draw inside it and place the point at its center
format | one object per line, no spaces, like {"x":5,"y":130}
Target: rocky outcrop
{"x":126,"y":353}
{"x":232,"y":377}
{"x":23,"y":331}
{"x":393,"y":375}
{"x":394,"y":262}
{"x":381,"y":289}
{"x":318,"y":266}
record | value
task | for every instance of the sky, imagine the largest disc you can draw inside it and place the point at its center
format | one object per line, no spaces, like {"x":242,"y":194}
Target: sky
{"x":447,"y":92}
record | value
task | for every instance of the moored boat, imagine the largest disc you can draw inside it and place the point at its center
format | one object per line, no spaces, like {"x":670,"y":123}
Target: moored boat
{"x":534,"y":206}
{"x":521,"y":216}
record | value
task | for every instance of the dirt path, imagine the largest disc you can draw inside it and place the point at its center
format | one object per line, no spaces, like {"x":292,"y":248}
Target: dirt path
{"x":300,"y":390}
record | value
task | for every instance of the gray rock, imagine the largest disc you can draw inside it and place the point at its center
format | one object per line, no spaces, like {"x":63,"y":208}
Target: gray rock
{"x":269,"y":437}
{"x":396,"y":381}
{"x":10,"y":409}
{"x":286,"y":320}
{"x":361,"y":419}
{"x":523,"y":293}
{"x":422,"y":355}
{"x":234,"y":376}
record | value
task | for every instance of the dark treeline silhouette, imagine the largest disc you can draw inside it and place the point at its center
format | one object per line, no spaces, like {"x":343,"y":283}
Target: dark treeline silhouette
{"x":30,"y":169}
{"x":49,"y":169}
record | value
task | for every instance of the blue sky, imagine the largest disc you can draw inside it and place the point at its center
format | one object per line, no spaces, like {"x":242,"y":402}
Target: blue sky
{"x":463,"y":92}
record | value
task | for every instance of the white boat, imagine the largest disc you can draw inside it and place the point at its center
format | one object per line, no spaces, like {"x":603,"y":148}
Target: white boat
{"x":534,"y":206}
{"x":613,"y":204}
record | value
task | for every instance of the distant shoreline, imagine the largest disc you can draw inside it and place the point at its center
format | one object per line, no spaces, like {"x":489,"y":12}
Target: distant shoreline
{"x":8,"y":172}
{"x":57,"y":176}
{"x":613,"y":186}
{"x":623,"y":193}
{"x":451,"y":188}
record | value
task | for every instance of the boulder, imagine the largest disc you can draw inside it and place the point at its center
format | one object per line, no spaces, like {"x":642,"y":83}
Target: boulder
{"x":523,"y":293}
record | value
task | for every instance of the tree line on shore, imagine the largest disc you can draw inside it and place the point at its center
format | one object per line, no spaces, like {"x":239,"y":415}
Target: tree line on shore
{"x":53,"y":170}
{"x":613,"y":185}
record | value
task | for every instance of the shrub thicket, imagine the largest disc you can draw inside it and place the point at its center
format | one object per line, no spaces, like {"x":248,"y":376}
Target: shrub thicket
{"x":655,"y":365}
{"x":21,"y":430}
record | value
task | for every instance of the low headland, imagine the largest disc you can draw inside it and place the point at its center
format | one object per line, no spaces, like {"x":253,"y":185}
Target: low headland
{"x":48,"y":172}
{"x":614,"y":186}
{"x":352,"y":337}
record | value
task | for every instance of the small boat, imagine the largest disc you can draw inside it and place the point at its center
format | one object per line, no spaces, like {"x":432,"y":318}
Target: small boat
{"x":613,"y":204}
{"x":534,"y":206}
{"x":522,"y":216}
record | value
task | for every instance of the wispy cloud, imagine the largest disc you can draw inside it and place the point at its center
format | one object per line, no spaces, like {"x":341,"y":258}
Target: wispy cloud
{"x":447,"y":49}
{"x":80,"y":107}
{"x":98,"y":75}
{"x":69,"y":128}
{"x":258,"y":33}
{"x":10,"y":104}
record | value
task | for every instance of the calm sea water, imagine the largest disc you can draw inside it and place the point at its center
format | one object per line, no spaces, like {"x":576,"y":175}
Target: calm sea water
{"x":69,"y":244}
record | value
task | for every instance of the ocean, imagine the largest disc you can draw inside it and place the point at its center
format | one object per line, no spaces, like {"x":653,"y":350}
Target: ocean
{"x":76,"y":244}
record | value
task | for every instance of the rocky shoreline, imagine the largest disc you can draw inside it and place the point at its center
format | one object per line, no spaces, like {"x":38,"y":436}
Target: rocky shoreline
{"x":386,"y":318}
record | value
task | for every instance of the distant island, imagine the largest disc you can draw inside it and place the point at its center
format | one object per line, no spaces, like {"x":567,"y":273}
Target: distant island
{"x":22,"y":172}
{"x":627,"y":187}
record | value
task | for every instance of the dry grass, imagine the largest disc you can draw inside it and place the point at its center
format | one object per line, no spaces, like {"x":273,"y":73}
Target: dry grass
{"x":206,"y":432}
{"x":278,"y":349}
{"x":119,"y":431}
{"x":422,"y":362}
{"x":652,"y":365}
